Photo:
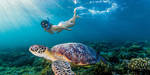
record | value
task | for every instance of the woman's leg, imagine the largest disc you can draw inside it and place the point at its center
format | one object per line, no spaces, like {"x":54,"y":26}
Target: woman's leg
{"x":70,"y":22}
{"x":73,"y":19}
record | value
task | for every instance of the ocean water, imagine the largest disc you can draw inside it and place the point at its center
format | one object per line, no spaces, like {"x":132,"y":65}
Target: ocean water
{"x":100,"y":20}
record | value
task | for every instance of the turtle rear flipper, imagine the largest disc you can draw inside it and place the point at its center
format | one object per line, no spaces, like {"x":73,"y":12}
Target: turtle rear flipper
{"x":62,"y":68}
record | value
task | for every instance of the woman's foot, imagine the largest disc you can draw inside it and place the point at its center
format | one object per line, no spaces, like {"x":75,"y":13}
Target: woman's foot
{"x":75,"y":9}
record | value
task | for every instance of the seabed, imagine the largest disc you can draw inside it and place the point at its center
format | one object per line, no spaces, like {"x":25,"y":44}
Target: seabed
{"x":121,"y":58}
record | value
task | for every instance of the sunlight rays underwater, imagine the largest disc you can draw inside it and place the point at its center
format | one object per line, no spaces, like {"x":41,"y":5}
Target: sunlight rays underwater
{"x":20,"y":21}
{"x":19,"y":13}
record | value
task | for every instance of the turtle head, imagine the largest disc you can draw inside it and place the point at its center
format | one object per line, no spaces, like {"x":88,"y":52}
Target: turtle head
{"x":38,"y":50}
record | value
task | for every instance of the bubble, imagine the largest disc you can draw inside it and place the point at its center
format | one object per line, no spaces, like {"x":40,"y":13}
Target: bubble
{"x":96,"y":7}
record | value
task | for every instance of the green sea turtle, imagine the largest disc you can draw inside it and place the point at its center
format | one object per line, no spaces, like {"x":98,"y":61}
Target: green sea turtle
{"x":63,"y":54}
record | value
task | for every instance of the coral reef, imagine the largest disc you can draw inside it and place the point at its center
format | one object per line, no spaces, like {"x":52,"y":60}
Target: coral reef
{"x":121,"y":58}
{"x":139,"y":64}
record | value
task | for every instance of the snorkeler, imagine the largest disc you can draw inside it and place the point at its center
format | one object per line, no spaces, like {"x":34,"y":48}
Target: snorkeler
{"x":61,"y":26}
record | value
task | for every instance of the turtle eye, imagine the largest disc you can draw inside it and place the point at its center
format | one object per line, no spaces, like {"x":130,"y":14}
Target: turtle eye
{"x":32,"y":49}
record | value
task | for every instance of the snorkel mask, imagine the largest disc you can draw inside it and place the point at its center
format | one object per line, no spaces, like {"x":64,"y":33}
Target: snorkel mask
{"x":45,"y":24}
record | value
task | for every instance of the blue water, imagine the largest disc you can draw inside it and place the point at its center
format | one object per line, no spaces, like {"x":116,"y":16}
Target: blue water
{"x":99,"y":20}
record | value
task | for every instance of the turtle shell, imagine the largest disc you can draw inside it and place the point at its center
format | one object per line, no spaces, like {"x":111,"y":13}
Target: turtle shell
{"x":76,"y":53}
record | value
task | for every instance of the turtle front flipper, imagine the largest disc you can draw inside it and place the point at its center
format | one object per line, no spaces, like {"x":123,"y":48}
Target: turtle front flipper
{"x":62,"y":68}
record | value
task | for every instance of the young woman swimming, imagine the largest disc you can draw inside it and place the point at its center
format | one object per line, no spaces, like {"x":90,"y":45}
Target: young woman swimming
{"x":61,"y":26}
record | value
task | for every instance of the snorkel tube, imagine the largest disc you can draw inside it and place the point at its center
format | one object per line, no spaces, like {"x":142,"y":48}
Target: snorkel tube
{"x":46,"y":24}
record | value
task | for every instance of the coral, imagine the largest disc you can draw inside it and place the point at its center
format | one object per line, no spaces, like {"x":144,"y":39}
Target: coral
{"x":139,"y":64}
{"x":123,"y":58}
{"x":46,"y":68}
{"x":101,"y":68}
{"x":147,"y":51}
{"x":135,"y":48}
